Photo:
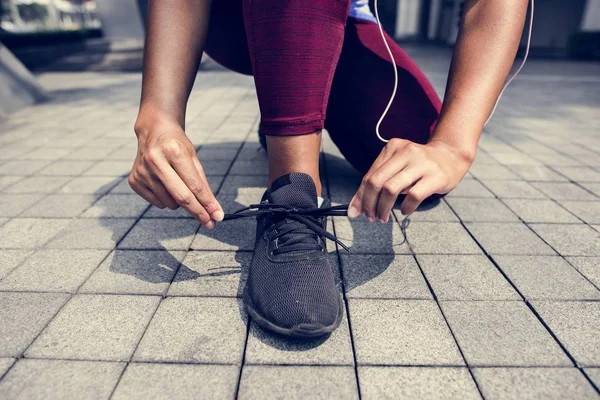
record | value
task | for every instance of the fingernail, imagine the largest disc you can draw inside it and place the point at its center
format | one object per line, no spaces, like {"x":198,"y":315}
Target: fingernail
{"x":370,"y":219}
{"x":352,"y":212}
{"x":218,"y":215}
{"x":210,"y":224}
{"x":383,"y":221}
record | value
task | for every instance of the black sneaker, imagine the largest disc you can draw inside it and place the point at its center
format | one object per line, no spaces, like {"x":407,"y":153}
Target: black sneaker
{"x":291,"y":287}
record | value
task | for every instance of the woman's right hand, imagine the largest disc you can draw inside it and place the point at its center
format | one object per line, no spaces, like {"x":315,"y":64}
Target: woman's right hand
{"x":167,"y":172}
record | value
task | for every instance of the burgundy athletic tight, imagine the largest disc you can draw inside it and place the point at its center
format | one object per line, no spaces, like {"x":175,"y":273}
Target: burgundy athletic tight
{"x":316,"y":68}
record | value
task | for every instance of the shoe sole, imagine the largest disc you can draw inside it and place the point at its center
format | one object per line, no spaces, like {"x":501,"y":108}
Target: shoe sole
{"x":298,"y":331}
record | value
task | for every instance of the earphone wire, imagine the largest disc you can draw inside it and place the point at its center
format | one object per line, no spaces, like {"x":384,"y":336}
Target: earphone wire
{"x":395,"y":89}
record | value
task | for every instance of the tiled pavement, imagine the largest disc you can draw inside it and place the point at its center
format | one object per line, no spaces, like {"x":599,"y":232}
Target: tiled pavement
{"x":495,"y":294}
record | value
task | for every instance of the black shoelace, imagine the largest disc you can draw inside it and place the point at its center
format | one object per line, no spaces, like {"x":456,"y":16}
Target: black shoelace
{"x":292,"y":237}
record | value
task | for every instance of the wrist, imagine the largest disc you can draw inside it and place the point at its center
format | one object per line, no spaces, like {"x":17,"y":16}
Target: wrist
{"x":151,"y":119}
{"x":464,"y":154}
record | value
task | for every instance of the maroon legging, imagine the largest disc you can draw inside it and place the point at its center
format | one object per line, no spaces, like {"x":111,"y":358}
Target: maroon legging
{"x":316,"y":68}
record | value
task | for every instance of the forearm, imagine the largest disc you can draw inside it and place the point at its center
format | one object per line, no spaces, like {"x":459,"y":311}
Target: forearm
{"x":485,"y":50}
{"x":174,"y":43}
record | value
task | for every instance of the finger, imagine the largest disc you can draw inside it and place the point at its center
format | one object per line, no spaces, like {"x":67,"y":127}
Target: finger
{"x":147,"y":195}
{"x":424,"y":188}
{"x":205,"y":194}
{"x":163,"y":195}
{"x":393,"y":187}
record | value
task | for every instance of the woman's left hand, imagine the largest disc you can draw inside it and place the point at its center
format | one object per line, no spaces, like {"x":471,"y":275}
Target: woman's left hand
{"x":404,"y":167}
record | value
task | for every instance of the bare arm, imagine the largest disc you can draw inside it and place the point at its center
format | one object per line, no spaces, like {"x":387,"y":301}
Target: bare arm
{"x":487,"y":44}
{"x":167,"y":171}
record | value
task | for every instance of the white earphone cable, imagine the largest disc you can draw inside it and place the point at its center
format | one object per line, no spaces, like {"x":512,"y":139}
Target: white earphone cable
{"x":387,"y":108}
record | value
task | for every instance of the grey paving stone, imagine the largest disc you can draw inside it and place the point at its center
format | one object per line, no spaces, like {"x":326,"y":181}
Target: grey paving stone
{"x":465,"y":277}
{"x":3,"y":220}
{"x":195,"y":330}
{"x":60,"y":379}
{"x":5,"y":364}
{"x":564,"y":191}
{"x":440,"y":238}
{"x":171,"y":381}
{"x":109,"y":168}
{"x":102,"y":233}
{"x":533,"y":383}
{"x":61,"y":206}
{"x":576,"y":326}
{"x":370,"y":238}
{"x":546,"y":277}
{"x":8,"y":180}
{"x":501,"y":333}
{"x":534,"y":173}
{"x":383,"y":276}
{"x":515,"y":158}
{"x":487,"y":172}
{"x":89,"y":153}
{"x":211,"y":274}
{"x":53,"y":271}
{"x":39,"y":184}
{"x":482,"y":210}
{"x":155,"y":212}
{"x":12,"y":205}
{"x":235,"y":184}
{"x":29,"y":233}
{"x":134,"y":272}
{"x":470,"y":188}
{"x":98,"y":185}
{"x":117,"y":206}
{"x":570,"y":240}
{"x":437,"y":212}
{"x":22,"y":318}
{"x":588,"y":211}
{"x":418,"y":334}
{"x":588,"y":267}
{"x":46,"y":153}
{"x":508,"y":238}
{"x":594,"y":374}
{"x":216,"y":167}
{"x":230,"y":235}
{"x":250,"y":167}
{"x":209,"y":154}
{"x":23,"y":168}
{"x":514,"y":190}
{"x":13,"y":152}
{"x":298,"y":382}
{"x":580,"y":174}
{"x":264,"y":347}
{"x":66,"y":168}
{"x":416,"y":383}
{"x":557,"y":160}
{"x":10,"y":259}
{"x":96,"y":327}
{"x":159,"y":234}
{"x":122,"y":187}
{"x":592,"y":187}
{"x":540,"y":211}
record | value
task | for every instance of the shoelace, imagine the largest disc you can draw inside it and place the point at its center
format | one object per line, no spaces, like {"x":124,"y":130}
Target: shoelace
{"x":292,"y":237}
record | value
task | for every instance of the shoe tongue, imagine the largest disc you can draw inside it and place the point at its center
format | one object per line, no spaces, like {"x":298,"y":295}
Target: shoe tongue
{"x":295,"y":190}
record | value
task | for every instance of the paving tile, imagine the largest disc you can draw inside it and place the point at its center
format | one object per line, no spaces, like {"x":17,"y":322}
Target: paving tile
{"x":235,"y":184}
{"x":546,"y":277}
{"x":45,"y":153}
{"x":53,"y":271}
{"x":440,"y":238}
{"x":22,"y":167}
{"x":264,"y":347}
{"x":66,"y":168}
{"x":22,"y":318}
{"x":508,"y":238}
{"x":134,"y":272}
{"x":482,"y":210}
{"x":540,"y":211}
{"x":89,"y":153}
{"x":534,"y":173}
{"x":557,"y":160}
{"x":161,"y":234}
{"x":588,"y":267}
{"x":250,"y":167}
{"x":501,"y":333}
{"x":298,"y":382}
{"x":514,"y":190}
{"x":361,"y":236}
{"x":102,"y":233}
{"x":592,"y":187}
{"x":588,"y":211}
{"x":98,"y":185}
{"x":576,"y":326}
{"x":10,"y":259}
{"x":60,"y":379}
{"x":416,"y":383}
{"x":533,"y":383}
{"x":438,"y":211}
{"x":580,"y":174}
{"x":5,"y":364}
{"x":383,"y":276}
{"x":29,"y":233}
{"x":96,"y":327}
{"x":570,"y":240}
{"x":9,"y":180}
{"x":470,"y":188}
{"x":216,"y":167}
{"x":230,"y":235}
{"x":418,"y":335}
{"x":171,"y":381}
{"x":61,"y":206}
{"x":109,"y":168}
{"x":564,"y":191}
{"x":209,"y":154}
{"x":117,"y":206}
{"x":465,"y":277}
{"x":122,"y":187}
{"x":594,"y":374}
{"x":12,"y":205}
{"x":39,"y":184}
{"x":486,"y":172}
{"x":195,"y":330}
{"x":211,"y":274}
